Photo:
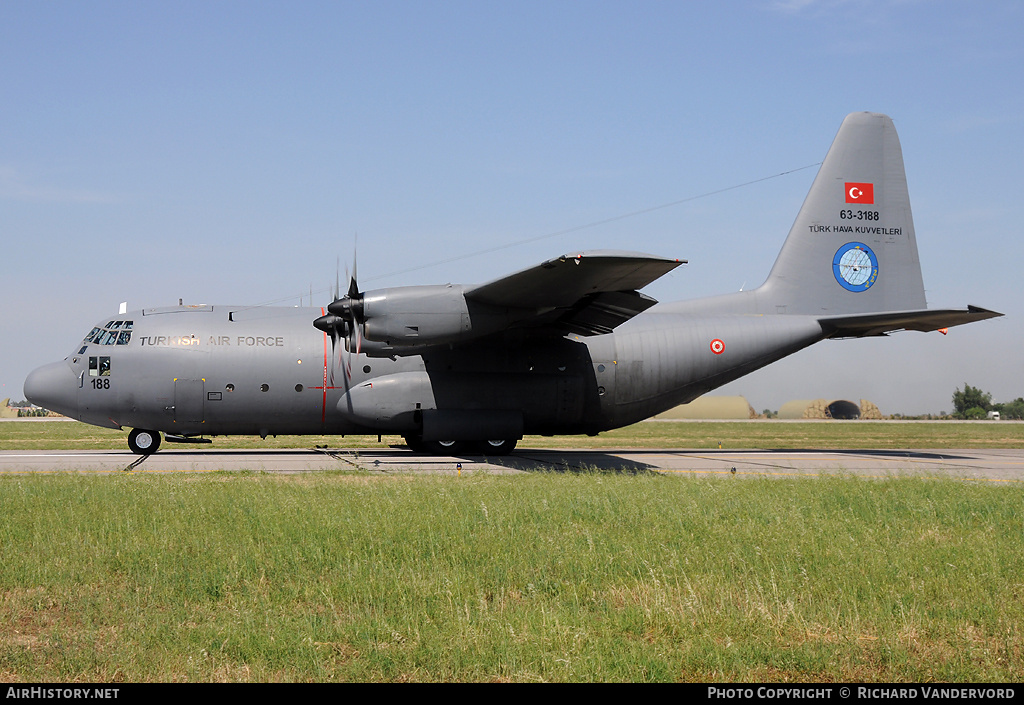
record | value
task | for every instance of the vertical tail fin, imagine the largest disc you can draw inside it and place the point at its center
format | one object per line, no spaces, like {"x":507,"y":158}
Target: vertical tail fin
{"x":852,"y":248}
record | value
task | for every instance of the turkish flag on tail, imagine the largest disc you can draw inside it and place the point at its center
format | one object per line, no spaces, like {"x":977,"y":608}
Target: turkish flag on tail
{"x":860,"y":193}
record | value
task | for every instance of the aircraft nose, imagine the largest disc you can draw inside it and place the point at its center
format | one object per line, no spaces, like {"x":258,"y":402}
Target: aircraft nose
{"x":53,"y":387}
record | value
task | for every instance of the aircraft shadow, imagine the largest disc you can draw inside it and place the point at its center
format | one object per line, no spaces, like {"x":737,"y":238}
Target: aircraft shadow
{"x":569,"y":462}
{"x":582,"y":461}
{"x":874,"y":452}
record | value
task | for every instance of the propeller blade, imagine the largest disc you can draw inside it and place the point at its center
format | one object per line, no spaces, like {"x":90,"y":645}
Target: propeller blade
{"x":337,"y":280}
{"x":334,"y":353}
{"x":353,"y":287}
{"x":343,"y":319}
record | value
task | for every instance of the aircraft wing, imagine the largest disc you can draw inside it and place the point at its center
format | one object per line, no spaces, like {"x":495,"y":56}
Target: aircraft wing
{"x":586,"y":292}
{"x":561,"y":282}
{"x":861,"y":325}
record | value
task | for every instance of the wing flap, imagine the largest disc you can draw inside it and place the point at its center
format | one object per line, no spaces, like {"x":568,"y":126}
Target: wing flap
{"x":602,"y":313}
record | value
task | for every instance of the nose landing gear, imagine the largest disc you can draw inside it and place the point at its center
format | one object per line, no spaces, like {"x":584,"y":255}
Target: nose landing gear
{"x":143,"y":441}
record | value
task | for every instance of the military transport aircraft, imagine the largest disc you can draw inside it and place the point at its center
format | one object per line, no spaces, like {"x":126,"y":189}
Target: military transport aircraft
{"x":567,"y":347}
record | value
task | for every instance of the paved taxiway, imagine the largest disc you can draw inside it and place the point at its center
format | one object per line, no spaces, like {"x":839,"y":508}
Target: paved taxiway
{"x":984,"y":465}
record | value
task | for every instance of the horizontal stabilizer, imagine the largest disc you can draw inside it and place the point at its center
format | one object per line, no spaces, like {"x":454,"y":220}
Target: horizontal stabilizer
{"x":862,"y":325}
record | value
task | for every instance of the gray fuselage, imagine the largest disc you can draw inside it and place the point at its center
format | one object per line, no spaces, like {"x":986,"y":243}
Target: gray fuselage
{"x":218,"y":370}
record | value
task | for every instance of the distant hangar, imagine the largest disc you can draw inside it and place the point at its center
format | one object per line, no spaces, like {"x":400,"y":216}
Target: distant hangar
{"x":825,"y":409}
{"x":712,"y":408}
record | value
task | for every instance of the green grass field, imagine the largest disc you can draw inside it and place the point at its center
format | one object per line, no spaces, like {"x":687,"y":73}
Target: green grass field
{"x":585,"y":577}
{"x":542,"y":577}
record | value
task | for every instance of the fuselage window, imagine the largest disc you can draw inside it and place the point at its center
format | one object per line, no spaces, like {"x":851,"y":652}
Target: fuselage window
{"x":99,"y":366}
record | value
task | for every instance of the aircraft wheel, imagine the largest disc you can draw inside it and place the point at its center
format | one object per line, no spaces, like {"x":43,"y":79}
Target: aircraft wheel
{"x":143,"y":442}
{"x":415,"y":444}
{"x":501,"y":447}
{"x":445,"y":447}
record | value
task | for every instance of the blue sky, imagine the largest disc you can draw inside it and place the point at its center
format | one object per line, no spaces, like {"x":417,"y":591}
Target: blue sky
{"x":232,"y":152}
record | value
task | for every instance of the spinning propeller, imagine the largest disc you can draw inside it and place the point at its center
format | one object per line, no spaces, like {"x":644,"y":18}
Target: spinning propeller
{"x":344,"y":319}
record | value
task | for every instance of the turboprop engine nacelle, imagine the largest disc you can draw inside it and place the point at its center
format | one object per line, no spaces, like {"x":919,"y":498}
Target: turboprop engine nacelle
{"x":426,"y":315}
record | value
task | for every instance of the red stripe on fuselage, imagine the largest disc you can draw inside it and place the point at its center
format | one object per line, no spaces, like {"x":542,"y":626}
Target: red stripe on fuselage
{"x":323,"y":406}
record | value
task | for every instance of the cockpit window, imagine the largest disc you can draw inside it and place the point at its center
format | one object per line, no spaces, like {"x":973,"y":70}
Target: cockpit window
{"x":114,"y":333}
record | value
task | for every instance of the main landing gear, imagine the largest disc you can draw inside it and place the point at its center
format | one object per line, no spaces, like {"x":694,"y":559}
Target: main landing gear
{"x":501,"y":447}
{"x":492,"y":448}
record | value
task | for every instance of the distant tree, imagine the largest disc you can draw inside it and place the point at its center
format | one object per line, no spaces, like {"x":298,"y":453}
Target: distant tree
{"x":969,"y":399}
{"x":1011,"y":409}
